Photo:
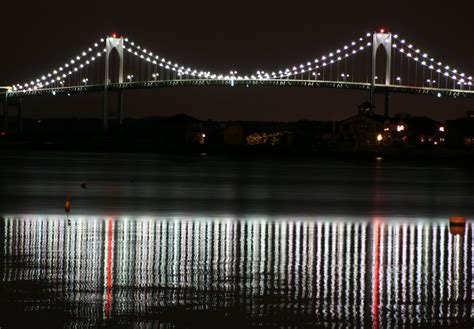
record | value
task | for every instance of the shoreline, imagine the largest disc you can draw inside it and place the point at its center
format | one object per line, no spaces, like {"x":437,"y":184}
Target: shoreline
{"x":114,"y":144}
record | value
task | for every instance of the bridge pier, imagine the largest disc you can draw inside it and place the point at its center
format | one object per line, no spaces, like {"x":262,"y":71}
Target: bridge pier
{"x":120,"y":108}
{"x":20,"y":117}
{"x":5,"y":114}
{"x":387,"y":104}
{"x":105,"y":119}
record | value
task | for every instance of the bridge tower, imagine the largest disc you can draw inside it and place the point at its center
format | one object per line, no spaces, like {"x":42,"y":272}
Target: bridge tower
{"x":112,"y":42}
{"x":381,"y":39}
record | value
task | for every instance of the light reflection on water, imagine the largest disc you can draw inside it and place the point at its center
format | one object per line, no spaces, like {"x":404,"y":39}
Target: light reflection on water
{"x":382,"y":273}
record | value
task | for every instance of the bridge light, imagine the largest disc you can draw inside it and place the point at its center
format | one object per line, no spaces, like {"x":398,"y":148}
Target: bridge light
{"x":438,"y":95}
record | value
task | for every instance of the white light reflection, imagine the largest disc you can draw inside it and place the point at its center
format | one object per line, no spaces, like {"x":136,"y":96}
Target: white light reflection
{"x":319,"y":267}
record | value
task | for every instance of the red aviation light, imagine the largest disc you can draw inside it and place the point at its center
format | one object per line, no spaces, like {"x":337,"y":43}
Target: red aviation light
{"x":115,"y":35}
{"x":382,"y":30}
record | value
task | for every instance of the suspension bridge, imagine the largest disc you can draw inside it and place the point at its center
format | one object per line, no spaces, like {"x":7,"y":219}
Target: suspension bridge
{"x":377,"y":62}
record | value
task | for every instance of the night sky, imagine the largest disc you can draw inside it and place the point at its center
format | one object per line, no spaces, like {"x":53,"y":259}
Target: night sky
{"x":225,"y":35}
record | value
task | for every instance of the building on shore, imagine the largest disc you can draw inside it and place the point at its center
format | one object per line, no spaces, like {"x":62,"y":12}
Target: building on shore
{"x":460,"y":132}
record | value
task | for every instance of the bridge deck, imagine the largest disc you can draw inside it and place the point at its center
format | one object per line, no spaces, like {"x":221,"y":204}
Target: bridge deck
{"x":454,"y":93}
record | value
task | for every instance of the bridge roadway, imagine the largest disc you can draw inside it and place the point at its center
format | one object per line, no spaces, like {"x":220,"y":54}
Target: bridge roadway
{"x":454,"y":93}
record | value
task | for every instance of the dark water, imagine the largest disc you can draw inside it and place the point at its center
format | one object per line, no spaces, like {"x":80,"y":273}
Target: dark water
{"x":164,"y":242}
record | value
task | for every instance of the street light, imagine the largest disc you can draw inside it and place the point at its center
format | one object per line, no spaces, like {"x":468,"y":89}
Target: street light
{"x":155,"y":76}
{"x":130,"y":77}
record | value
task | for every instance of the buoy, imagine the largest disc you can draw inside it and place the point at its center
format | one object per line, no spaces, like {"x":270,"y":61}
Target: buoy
{"x":67,"y":204}
{"x":457,"y":225}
